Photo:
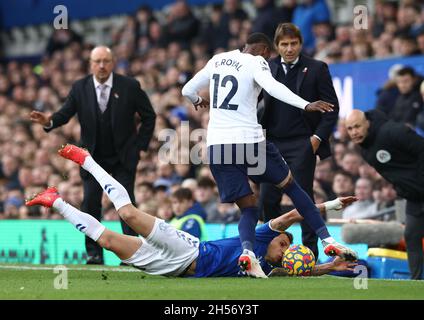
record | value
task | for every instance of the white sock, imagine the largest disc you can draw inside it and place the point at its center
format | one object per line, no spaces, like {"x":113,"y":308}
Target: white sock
{"x":329,"y":240}
{"x":82,"y":221}
{"x":250,"y":253}
{"x":114,"y":190}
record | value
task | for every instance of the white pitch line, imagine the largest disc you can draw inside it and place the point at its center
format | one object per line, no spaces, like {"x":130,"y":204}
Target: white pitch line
{"x":69,"y":268}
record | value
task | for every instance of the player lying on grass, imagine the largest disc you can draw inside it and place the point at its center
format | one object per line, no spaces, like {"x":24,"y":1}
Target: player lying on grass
{"x":164,"y":250}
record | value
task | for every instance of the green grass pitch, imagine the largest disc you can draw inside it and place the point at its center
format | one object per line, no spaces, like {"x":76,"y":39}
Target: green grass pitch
{"x":94,"y":282}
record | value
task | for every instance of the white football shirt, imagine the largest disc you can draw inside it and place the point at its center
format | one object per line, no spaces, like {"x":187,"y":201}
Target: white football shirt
{"x":235,"y":81}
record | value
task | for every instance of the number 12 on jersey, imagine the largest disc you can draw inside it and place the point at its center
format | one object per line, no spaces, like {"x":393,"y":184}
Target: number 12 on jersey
{"x":234,"y":86}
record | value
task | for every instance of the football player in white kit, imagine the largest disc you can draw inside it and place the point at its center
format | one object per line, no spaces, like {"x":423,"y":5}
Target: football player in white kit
{"x":235,"y":80}
{"x":161,"y":249}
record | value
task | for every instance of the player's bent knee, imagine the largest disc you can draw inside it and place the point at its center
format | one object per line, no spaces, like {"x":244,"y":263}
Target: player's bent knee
{"x":105,"y":241}
{"x":287,"y":180}
{"x":127,"y":213}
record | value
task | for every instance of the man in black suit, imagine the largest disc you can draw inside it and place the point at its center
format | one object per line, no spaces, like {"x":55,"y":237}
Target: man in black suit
{"x":106,"y":104}
{"x":299,"y":136}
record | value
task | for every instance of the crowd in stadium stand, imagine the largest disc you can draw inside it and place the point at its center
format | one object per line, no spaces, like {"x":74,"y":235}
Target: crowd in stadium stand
{"x":163,"y":56}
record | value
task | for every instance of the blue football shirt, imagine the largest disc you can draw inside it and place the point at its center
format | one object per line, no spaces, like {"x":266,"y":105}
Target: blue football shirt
{"x":219,"y":258}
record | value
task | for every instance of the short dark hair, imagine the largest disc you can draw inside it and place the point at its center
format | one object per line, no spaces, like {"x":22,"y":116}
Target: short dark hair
{"x":182,"y":194}
{"x":406,"y":71}
{"x":344,"y":173}
{"x":287,"y":30}
{"x":205,"y":182}
{"x":259,"y":37}
{"x":289,"y":235}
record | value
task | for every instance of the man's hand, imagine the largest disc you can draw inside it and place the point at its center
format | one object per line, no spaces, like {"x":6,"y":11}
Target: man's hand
{"x":336,"y":205}
{"x":347,"y":201}
{"x":315,"y":142}
{"x":204,"y":103}
{"x":320,"y":106}
{"x":341,"y":265}
{"x":40,"y":117}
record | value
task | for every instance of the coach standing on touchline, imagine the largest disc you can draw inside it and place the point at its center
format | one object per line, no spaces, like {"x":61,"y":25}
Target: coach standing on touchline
{"x":397,"y":153}
{"x":106,"y":104}
{"x":298,"y":135}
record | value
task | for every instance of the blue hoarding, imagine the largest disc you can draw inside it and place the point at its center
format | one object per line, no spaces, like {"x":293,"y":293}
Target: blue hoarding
{"x":357,"y":83}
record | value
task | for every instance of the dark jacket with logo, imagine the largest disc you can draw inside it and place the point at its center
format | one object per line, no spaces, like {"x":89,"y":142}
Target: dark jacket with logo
{"x":313,"y":82}
{"x":397,"y":153}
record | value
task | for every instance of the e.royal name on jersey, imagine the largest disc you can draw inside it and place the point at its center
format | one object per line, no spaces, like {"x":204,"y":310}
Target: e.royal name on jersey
{"x":229,"y":63}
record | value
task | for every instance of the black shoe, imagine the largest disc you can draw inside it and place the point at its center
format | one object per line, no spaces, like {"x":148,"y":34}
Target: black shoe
{"x":94,"y":260}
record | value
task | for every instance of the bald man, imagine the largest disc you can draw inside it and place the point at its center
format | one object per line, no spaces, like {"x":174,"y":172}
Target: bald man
{"x":397,"y":153}
{"x":106,"y":104}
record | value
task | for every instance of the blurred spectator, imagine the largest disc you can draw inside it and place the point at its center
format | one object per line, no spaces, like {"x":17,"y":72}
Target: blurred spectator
{"x":385,"y":196}
{"x":339,"y":149}
{"x":351,"y":163}
{"x":324,"y":174}
{"x":206,"y":196}
{"x":143,"y":19}
{"x":182,"y":26}
{"x":409,"y":102}
{"x":189,"y":215}
{"x":144,"y":192}
{"x":387,"y":95}
{"x":162,"y":189}
{"x":384,"y":11}
{"x":305,"y":15}
{"x":343,"y":184}
{"x":9,"y":171}
{"x":165,"y":210}
{"x":365,"y":207}
{"x":60,"y":39}
{"x":268,"y":16}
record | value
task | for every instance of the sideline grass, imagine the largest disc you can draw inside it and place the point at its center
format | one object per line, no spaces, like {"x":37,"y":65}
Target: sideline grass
{"x":93,"y":282}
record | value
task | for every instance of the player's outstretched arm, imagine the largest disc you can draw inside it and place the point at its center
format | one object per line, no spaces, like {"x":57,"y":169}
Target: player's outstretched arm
{"x":284,"y":221}
{"x":279,"y":91}
{"x":336,"y":265}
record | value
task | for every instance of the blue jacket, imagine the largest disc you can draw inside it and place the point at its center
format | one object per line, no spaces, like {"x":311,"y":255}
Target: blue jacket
{"x":192,"y":226}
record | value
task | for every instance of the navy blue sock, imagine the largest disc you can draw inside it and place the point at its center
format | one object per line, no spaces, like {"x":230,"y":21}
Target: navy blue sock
{"x":246,"y":227}
{"x":307,"y":209}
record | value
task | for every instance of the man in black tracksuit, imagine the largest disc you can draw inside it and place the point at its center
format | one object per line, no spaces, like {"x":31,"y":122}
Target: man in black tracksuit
{"x":397,"y":153}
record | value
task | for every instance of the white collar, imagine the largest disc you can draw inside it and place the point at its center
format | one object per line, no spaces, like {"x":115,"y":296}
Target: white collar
{"x":292,"y":63}
{"x":108,"y":82}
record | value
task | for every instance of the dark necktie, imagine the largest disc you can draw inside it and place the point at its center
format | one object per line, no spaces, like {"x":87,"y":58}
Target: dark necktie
{"x":288,"y":66}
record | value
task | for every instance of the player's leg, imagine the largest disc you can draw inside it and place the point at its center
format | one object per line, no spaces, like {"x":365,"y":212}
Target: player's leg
{"x":122,"y":245}
{"x":233,"y":186}
{"x":142,"y":223}
{"x":278,"y":172}
{"x":246,"y":227}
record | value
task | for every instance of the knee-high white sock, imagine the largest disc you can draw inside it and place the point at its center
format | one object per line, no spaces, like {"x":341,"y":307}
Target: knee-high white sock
{"x":114,"y":190}
{"x":82,"y":221}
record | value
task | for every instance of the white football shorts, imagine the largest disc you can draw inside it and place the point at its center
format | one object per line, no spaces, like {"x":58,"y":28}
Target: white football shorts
{"x":166,"y":251}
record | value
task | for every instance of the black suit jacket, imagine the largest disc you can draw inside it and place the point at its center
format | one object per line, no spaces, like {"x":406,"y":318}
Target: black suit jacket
{"x":126,"y":99}
{"x":313,"y":83}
